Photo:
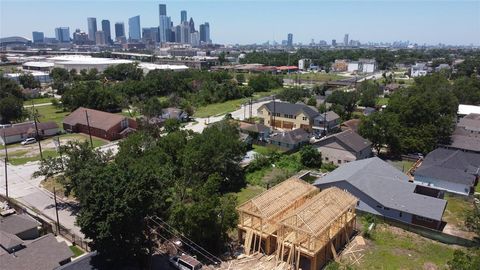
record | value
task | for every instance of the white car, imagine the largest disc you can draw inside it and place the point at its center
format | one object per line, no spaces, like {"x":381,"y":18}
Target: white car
{"x":28,"y":141}
{"x":185,"y":262}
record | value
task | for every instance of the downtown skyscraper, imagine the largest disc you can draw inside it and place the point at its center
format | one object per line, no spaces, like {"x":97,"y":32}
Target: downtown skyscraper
{"x":164,"y":24}
{"x":119,"y":30}
{"x":134,"y":32}
{"x":92,"y":28}
{"x":107,"y":31}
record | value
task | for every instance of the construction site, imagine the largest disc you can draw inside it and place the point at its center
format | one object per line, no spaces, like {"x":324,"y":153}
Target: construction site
{"x":294,"y":225}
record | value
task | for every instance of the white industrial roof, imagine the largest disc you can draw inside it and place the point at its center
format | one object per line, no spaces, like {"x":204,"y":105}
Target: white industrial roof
{"x":468,"y":109}
{"x":38,"y":64}
{"x":150,"y":66}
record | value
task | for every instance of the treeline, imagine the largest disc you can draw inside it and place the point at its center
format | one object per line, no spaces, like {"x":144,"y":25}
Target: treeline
{"x":123,"y":85}
{"x":184,"y":178}
{"x":385,"y":59}
{"x":420,"y":117}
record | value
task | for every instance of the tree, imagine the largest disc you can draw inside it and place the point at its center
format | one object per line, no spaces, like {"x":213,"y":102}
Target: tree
{"x":221,"y":58}
{"x":368,"y":93}
{"x":310,"y":157}
{"x":312,"y":101}
{"x":152,"y":107}
{"x":293,"y":95}
{"x":382,"y":129}
{"x":28,"y":81}
{"x":472,"y":219}
{"x":11,"y":109}
{"x":347,"y":100}
{"x":465,"y":260}
{"x":122,"y":72}
{"x":264,"y":82}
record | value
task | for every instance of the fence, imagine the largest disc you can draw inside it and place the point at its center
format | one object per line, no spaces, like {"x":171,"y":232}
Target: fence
{"x":47,"y":225}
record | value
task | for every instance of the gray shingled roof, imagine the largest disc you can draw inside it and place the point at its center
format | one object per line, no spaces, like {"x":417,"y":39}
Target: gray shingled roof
{"x":353,"y":140}
{"x":331,"y":115}
{"x":27,"y":127}
{"x":292,"y":137}
{"x":16,"y":224}
{"x":386,"y":185}
{"x":451,"y":165}
{"x":292,"y":109}
{"x":9,"y":241}
{"x":43,"y":253}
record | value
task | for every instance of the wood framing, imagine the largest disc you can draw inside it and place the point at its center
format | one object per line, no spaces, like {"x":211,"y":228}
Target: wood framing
{"x":259,"y":217}
{"x":312,"y":235}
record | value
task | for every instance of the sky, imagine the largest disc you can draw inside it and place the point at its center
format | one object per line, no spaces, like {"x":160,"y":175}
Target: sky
{"x":246,"y":21}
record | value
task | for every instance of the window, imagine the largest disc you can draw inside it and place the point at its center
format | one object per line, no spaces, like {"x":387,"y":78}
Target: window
{"x":358,"y":203}
{"x":400,"y":214}
{"x":379,"y":206}
{"x":326,"y":158}
{"x":386,"y":208}
{"x":304,"y":118}
{"x":339,"y":161}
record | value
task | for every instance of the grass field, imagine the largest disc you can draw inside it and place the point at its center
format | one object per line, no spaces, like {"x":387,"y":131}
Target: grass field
{"x":455,"y":211}
{"x":37,"y":101}
{"x":76,"y":251}
{"x":265,"y":150}
{"x":317,"y":77}
{"x":229,"y":106}
{"x":21,"y":158}
{"x":402,"y":165}
{"x":382,"y":101}
{"x":394,"y":248}
{"x":247,"y":193}
{"x":50,"y":113}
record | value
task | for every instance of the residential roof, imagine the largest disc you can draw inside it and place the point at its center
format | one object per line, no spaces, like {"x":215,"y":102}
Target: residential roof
{"x":89,"y":261}
{"x":255,"y":127}
{"x":331,"y":115}
{"x":465,"y":142}
{"x":352,"y":140}
{"x":291,"y":137}
{"x":15,"y":224}
{"x":9,"y":241}
{"x":172,"y":112}
{"x":43,"y":253}
{"x":386,"y":185}
{"x":451,"y":165}
{"x":470,"y":122}
{"x":290,"y":108}
{"x":352,"y":124}
{"x":97,"y":119}
{"x":27,"y":127}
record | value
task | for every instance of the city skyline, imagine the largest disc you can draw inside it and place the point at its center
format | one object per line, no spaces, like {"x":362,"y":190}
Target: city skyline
{"x":246,"y":22}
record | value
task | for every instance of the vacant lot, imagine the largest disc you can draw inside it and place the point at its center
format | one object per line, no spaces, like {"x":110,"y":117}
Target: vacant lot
{"x":457,"y":207}
{"x":316,"y":77}
{"x":51,"y":113}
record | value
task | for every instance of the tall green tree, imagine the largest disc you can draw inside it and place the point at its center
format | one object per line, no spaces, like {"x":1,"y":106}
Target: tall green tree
{"x":28,"y":81}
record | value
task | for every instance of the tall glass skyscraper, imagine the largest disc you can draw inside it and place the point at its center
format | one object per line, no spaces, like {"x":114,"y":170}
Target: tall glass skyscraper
{"x":183,"y":16}
{"x":119,"y":30}
{"x":290,"y":40}
{"x":162,"y":8}
{"x":37,"y":37}
{"x":164,"y":24}
{"x":134,"y":31}
{"x":92,"y":28}
{"x":205,"y":32}
{"x":106,"y":31}
{"x":62,"y":34}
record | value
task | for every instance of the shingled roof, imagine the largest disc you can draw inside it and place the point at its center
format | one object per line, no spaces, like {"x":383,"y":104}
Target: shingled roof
{"x":97,"y":119}
{"x":291,"y":108}
{"x":292,"y":137}
{"x":451,"y":165}
{"x":352,"y":140}
{"x":16,"y":224}
{"x":386,"y":185}
{"x":27,"y":127}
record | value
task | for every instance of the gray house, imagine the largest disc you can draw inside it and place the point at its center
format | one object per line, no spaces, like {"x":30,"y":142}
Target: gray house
{"x":290,"y":140}
{"x":19,"y":132}
{"x":326,"y":122}
{"x":385,"y":191}
{"x":451,"y":170}
{"x":467,"y":134}
{"x":344,"y":147}
{"x":22,"y":226}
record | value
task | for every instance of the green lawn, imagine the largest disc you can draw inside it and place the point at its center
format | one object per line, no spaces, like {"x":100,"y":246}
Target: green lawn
{"x":317,"y":77}
{"x":38,"y":101}
{"x":382,"y":101}
{"x":22,"y":159}
{"x":230,"y":105}
{"x":247,"y":193}
{"x":402,"y":165}
{"x":394,"y":248}
{"x":50,"y":113}
{"x":126,"y":113}
{"x":76,"y":251}
{"x":455,"y":211}
{"x":265,"y":150}
{"x":82,"y":137}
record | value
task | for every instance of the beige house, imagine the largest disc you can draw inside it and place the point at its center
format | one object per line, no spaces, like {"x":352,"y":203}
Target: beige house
{"x":344,"y":147}
{"x":287,"y":115}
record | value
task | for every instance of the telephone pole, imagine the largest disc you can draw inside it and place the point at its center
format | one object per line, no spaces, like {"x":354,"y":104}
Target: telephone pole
{"x":89,"y":130}
{"x":37,"y":137}
{"x":56,"y":209}
{"x":6,"y":169}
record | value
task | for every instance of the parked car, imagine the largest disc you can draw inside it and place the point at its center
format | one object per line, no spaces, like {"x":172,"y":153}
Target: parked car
{"x":28,"y":141}
{"x":185,"y":262}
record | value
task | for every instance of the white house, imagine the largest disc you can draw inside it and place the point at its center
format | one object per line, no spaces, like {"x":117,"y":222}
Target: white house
{"x":419,"y":69}
{"x":19,"y":132}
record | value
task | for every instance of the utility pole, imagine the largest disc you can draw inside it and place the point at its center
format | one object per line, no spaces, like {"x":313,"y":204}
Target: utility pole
{"x":251,"y":104}
{"x":57,"y":143}
{"x":273,"y":112}
{"x":89,"y":130}
{"x":6,"y":160}
{"x":56,"y":209}
{"x":36,"y":130}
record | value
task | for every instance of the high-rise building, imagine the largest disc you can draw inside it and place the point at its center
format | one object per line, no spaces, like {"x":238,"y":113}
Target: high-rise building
{"x":195,"y":38}
{"x":80,"y":38}
{"x":178,"y":33}
{"x":106,"y":30}
{"x":205,"y":32}
{"x":345,"y":40}
{"x":164,"y":28}
{"x":162,"y":9}
{"x":191,"y":24}
{"x":62,"y":34}
{"x":185,"y":32}
{"x":334,"y":42}
{"x":290,"y":40}
{"x":183,"y":16}
{"x":134,"y":33}
{"x":100,"y":38}
{"x":119,"y":30}
{"x":92,"y":28}
{"x":150,"y":34}
{"x":38,"y":37}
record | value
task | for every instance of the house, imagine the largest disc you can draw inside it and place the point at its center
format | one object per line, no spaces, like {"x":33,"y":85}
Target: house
{"x":256,"y":131}
{"x":351,"y":124}
{"x":174,"y":113}
{"x":419,"y":69}
{"x":368,"y":110}
{"x":286,"y":115}
{"x":442,"y":67}
{"x":385,"y":191}
{"x":19,"y":132}
{"x":340,"y":65}
{"x":344,"y":147}
{"x":22,"y":226}
{"x":102,"y":124}
{"x":362,"y":66}
{"x":451,"y":170}
{"x":42,"y":253}
{"x":466,"y":136}
{"x":290,"y":140}
{"x":353,"y":66}
{"x":464,"y":110}
{"x":326,"y":122}
{"x":391,"y":88}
